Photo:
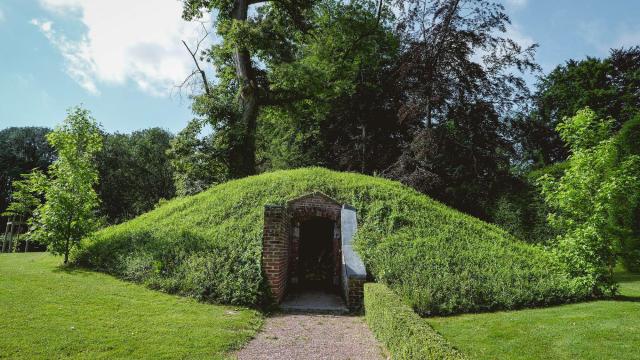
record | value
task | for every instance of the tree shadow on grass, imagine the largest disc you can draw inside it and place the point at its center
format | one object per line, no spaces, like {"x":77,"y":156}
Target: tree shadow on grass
{"x":626,"y":298}
{"x":627,"y":277}
{"x":73,"y":270}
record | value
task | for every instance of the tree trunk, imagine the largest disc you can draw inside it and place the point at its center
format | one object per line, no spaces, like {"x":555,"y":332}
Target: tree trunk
{"x":243,"y":159}
{"x":66,"y":251}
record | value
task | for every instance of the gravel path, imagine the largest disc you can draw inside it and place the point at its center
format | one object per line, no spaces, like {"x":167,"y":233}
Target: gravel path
{"x":312,"y":336}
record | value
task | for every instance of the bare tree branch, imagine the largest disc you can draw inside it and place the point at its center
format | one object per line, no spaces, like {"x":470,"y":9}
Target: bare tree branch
{"x":199,"y":70}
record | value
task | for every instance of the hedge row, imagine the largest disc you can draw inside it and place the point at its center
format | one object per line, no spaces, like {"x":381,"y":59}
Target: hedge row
{"x":405,"y":334}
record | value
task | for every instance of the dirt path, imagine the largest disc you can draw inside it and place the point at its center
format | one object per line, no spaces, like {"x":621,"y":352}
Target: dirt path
{"x":311,"y":336}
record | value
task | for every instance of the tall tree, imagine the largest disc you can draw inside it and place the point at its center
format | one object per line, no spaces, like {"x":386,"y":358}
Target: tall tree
{"x":457,"y":51}
{"x":594,"y":202}
{"x":461,"y":79}
{"x":249,"y":37}
{"x":341,"y":112}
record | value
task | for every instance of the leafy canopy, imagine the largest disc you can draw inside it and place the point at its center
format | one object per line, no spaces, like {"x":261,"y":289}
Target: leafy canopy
{"x":608,"y":86}
{"x":135,"y":173}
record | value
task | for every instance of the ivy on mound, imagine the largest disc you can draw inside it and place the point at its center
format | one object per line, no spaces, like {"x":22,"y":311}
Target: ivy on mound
{"x":439,"y":260}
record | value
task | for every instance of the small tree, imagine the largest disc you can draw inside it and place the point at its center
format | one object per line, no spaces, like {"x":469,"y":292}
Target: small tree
{"x":587,"y":202}
{"x":25,"y":199}
{"x":68,"y":212}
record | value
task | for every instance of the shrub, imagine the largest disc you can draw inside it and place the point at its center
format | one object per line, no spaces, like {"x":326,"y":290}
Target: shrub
{"x":403,"y":332}
{"x":594,"y":203}
{"x":209,"y":245}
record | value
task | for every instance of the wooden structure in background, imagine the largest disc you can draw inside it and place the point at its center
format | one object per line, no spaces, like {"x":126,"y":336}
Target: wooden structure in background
{"x":14,"y":228}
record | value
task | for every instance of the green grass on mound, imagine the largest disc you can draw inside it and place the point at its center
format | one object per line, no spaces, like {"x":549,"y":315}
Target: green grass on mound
{"x":607,"y":329}
{"x":440,"y":260}
{"x":49,"y":312}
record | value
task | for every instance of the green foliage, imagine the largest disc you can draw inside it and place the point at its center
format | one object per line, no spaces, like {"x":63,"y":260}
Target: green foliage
{"x":135,"y":173}
{"x":627,"y":214}
{"x":524,"y":215}
{"x":252,"y":39}
{"x":53,"y":312}
{"x":402,"y":331}
{"x":333,"y":92}
{"x":521,"y":209}
{"x":24,"y":200}
{"x":318,"y":68}
{"x":593,"y":201}
{"x":195,"y":160}
{"x":209,"y":245}
{"x":608,"y":86}
{"x":22,"y":149}
{"x":70,"y":202}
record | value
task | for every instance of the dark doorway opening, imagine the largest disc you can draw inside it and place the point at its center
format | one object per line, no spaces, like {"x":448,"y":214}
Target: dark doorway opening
{"x":316,"y":256}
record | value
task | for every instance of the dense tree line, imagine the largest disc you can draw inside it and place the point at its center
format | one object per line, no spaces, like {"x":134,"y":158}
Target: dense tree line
{"x":134,"y":169}
{"x":135,"y":173}
{"x":609,"y":86}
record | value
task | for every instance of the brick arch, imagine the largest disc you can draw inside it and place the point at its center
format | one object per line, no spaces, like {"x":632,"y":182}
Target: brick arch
{"x":315,"y":205}
{"x":281,"y":243}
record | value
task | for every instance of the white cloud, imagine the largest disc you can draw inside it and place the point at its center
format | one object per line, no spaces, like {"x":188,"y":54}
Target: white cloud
{"x":138,"y":41}
{"x":79,"y":64}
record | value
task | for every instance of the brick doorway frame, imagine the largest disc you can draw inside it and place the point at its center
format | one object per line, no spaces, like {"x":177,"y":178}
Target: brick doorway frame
{"x":281,"y":244}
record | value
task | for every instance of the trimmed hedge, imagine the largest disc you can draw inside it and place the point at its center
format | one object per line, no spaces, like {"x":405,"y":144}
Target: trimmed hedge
{"x":405,"y":334}
{"x":209,"y":245}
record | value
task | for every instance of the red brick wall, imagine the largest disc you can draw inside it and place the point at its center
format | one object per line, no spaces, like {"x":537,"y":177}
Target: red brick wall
{"x":275,"y":249}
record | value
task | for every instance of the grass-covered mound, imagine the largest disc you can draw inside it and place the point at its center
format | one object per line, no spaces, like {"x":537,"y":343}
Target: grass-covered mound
{"x":440,"y":260}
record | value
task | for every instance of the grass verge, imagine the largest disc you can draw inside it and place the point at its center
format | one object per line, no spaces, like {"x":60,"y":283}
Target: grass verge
{"x":592,"y":330}
{"x":47,"y":312}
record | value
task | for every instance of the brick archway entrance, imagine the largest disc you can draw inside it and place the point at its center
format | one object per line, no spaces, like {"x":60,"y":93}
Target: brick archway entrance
{"x":288,"y":257}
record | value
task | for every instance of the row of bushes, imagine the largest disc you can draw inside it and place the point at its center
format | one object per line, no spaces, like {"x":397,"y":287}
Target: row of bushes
{"x":404,"y":334}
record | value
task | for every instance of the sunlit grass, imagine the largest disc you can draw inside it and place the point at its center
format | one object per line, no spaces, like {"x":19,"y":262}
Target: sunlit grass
{"x":591,"y":330}
{"x":49,"y":312}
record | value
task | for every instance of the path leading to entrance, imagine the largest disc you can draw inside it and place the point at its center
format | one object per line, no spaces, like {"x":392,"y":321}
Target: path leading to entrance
{"x":318,"y":302}
{"x":313,"y":336}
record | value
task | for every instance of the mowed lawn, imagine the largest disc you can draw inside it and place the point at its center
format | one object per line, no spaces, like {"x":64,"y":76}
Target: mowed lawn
{"x":48,"y":312}
{"x":593,"y":330}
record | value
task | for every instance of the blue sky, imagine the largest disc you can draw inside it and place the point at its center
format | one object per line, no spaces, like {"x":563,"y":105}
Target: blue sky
{"x":122,"y":66}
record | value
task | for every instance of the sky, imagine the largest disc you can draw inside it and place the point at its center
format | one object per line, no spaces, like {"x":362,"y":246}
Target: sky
{"x":122,"y":59}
